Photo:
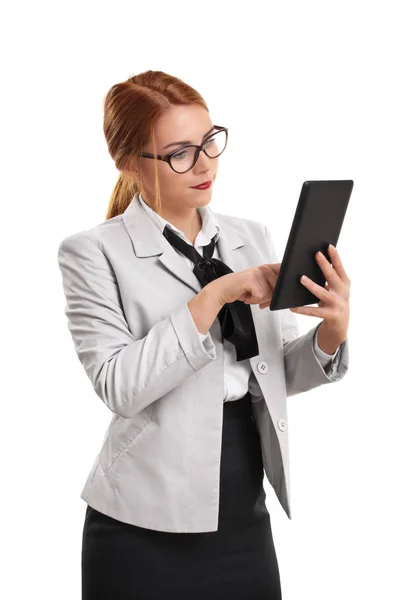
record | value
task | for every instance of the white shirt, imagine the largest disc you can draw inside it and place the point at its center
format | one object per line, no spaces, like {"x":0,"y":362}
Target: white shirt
{"x":238,"y":376}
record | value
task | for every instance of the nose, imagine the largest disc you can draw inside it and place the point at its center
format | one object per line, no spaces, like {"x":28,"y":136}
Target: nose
{"x":204,"y":162}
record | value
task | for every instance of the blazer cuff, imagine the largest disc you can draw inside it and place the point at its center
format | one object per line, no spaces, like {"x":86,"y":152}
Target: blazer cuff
{"x":338,"y":366}
{"x":197,"y":351}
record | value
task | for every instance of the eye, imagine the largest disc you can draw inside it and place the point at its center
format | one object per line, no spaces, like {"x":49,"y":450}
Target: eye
{"x":180,"y":154}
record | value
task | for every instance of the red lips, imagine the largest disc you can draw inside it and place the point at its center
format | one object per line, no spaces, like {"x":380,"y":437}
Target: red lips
{"x":202,"y":186}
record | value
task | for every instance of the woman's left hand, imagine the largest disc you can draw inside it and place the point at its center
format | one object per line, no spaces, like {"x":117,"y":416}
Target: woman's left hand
{"x":334,"y":307}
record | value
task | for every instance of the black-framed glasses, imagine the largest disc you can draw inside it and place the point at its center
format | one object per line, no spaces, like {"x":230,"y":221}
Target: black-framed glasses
{"x":185,"y":158}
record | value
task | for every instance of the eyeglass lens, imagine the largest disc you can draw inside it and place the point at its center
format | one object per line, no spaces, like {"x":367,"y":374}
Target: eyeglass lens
{"x":183,"y":160}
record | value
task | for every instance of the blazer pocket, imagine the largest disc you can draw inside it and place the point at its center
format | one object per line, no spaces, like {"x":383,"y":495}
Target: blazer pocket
{"x":122,"y":434}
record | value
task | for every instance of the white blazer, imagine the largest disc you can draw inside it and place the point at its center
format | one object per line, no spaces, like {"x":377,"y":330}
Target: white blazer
{"x":127,"y":291}
{"x":238,"y":376}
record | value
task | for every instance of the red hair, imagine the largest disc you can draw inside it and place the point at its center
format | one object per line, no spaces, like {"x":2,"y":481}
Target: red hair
{"x":131,"y":110}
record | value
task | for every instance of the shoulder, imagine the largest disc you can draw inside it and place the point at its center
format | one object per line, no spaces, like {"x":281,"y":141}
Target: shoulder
{"x":96,"y":235}
{"x":251,"y":231}
{"x":241,"y":225}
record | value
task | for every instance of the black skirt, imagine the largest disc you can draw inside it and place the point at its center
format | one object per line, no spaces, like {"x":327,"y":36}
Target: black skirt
{"x":121,"y":561}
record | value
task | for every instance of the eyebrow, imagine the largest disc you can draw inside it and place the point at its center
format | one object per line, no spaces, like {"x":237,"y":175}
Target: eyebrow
{"x":188,"y":141}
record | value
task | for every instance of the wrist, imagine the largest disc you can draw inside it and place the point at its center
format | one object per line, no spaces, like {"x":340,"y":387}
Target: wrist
{"x":213,"y":291}
{"x":327,"y":340}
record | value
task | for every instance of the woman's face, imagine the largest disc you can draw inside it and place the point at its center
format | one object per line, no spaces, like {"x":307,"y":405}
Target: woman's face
{"x":191,"y":124}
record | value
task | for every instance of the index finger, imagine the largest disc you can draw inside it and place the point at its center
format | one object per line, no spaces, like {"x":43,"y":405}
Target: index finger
{"x":337,"y":264}
{"x":275,"y":267}
{"x":270,"y":272}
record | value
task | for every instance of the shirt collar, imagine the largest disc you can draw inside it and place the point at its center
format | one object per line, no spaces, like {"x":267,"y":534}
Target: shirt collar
{"x":210,"y":227}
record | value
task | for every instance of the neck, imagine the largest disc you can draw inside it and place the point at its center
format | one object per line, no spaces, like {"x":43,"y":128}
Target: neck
{"x":190,"y":224}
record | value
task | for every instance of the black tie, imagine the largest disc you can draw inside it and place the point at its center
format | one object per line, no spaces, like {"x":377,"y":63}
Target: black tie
{"x":235,"y":317}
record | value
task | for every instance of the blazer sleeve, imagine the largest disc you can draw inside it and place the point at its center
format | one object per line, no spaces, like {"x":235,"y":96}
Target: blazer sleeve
{"x":127,"y":374}
{"x":303,"y":369}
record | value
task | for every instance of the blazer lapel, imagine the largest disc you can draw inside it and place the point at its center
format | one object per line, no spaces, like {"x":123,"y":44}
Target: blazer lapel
{"x":148,"y":241}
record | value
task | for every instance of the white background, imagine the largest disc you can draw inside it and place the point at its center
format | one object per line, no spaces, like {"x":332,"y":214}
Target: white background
{"x":308,"y":90}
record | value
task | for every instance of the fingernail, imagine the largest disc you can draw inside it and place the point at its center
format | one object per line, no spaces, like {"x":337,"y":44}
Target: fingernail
{"x":331,"y":247}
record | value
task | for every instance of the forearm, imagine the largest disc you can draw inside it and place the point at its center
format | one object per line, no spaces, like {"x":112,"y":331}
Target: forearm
{"x":204,"y":308}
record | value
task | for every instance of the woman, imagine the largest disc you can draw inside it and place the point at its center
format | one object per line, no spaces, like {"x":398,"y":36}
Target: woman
{"x":159,"y":302}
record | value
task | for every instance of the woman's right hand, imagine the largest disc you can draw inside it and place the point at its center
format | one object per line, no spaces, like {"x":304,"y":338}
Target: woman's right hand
{"x":251,"y":286}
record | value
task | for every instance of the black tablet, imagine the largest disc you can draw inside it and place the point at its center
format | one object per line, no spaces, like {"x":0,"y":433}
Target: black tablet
{"x":317,"y":223}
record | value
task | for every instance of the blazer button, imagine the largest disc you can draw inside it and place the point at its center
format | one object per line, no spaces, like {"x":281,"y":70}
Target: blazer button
{"x":262,"y":367}
{"x":282,"y":424}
